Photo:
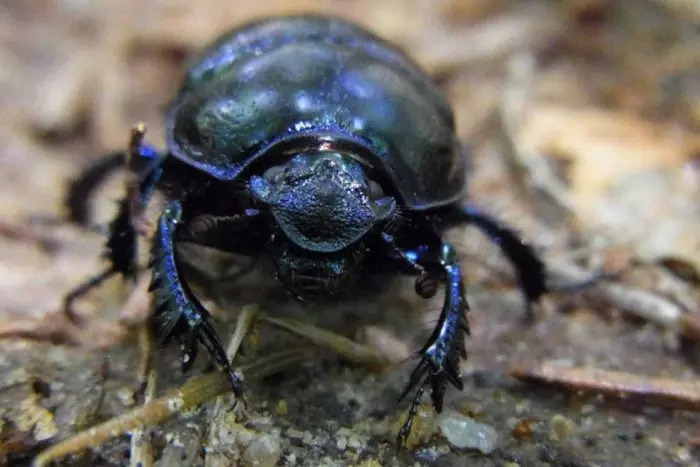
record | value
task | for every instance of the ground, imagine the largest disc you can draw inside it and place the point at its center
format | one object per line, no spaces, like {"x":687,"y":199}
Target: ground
{"x":583,"y":120}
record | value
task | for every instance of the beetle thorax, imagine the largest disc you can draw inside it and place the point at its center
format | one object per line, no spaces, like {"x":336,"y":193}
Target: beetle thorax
{"x":324,"y":206}
{"x":322,"y":200}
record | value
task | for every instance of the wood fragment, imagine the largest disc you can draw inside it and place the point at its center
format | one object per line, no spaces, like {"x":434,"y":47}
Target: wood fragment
{"x":643,"y":304}
{"x":630,"y":387}
{"x":196,"y":391}
{"x":57,"y":329}
{"x":141,"y":448}
{"x":137,"y":308}
{"x":145,"y":341}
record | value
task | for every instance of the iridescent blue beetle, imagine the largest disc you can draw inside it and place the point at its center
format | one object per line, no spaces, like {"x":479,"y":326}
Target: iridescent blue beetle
{"x":316,"y":144}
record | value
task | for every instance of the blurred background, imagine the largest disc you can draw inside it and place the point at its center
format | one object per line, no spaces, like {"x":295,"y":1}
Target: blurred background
{"x":583,"y":117}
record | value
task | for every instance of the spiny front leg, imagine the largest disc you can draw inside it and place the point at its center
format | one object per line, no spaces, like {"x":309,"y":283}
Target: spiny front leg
{"x":440,"y":356}
{"x":178,"y":312}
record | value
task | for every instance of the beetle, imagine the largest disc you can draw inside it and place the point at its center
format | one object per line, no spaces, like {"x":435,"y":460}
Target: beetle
{"x":310,"y":142}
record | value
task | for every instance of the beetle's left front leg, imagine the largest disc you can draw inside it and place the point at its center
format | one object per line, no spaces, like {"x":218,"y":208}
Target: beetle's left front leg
{"x":440,"y":356}
{"x":178,"y":312}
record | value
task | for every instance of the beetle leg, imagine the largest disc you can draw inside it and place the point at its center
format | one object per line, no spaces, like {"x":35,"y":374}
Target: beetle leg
{"x":81,"y":188}
{"x":121,"y":246}
{"x":179,"y":313}
{"x":141,"y":160}
{"x":529,"y":267}
{"x":236,"y":234}
{"x":440,"y":356}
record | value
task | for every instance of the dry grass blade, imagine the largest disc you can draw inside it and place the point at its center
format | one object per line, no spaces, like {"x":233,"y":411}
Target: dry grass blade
{"x":243,"y":324}
{"x":642,"y":389}
{"x":196,"y":391}
{"x":346,"y":348}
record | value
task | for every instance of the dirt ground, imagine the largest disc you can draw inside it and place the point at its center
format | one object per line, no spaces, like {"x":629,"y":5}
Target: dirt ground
{"x":583,"y":118}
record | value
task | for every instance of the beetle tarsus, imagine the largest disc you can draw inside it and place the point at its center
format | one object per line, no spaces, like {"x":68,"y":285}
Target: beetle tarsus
{"x":81,"y":290}
{"x":440,"y":356}
{"x":178,"y":312}
{"x":402,"y":435}
{"x":120,"y":252}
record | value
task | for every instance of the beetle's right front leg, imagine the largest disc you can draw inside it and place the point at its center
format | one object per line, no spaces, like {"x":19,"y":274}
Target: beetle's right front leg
{"x":121,"y":247}
{"x":178,"y":312}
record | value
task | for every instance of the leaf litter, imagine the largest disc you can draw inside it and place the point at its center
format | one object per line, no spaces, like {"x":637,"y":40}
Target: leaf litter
{"x":596,"y":103}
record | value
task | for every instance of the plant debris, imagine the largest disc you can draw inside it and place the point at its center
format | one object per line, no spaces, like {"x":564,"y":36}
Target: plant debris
{"x":581,"y":118}
{"x":628,"y":387}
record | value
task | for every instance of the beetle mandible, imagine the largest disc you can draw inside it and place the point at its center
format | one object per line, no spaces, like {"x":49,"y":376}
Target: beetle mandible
{"x":313,"y":143}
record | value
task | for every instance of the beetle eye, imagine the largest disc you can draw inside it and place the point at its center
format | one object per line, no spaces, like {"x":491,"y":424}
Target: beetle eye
{"x":375,"y":190}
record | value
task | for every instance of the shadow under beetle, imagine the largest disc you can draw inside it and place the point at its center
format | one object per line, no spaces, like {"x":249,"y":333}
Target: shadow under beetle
{"x":313,"y":143}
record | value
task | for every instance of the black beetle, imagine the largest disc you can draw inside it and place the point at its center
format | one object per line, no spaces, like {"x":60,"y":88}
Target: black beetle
{"x":318,"y":145}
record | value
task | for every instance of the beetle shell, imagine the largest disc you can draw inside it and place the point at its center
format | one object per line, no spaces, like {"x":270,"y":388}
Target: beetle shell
{"x":281,"y":79}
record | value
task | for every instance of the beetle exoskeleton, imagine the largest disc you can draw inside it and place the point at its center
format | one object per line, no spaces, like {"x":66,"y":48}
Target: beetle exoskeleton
{"x":314,"y":143}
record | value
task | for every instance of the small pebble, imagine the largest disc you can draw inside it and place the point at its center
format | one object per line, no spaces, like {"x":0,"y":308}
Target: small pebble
{"x":463,"y":432}
{"x":263,"y":451}
{"x":655,"y":442}
{"x":523,"y":407}
{"x":682,"y":454}
{"x":523,"y":430}
{"x":561,"y":428}
{"x":354,"y":442}
{"x":282,"y":407}
{"x":370,"y":463}
{"x":341,"y":443}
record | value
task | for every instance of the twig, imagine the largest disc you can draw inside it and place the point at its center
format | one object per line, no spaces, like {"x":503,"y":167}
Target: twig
{"x":25,"y":233}
{"x":146,"y":347}
{"x":138,"y":219}
{"x":141,"y":448}
{"x":196,"y":391}
{"x":55,"y":328}
{"x":641,"y":303}
{"x":137,"y":308}
{"x":647,"y":390}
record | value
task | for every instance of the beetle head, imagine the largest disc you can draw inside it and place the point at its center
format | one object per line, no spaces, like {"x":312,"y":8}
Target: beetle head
{"x":322,"y":201}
